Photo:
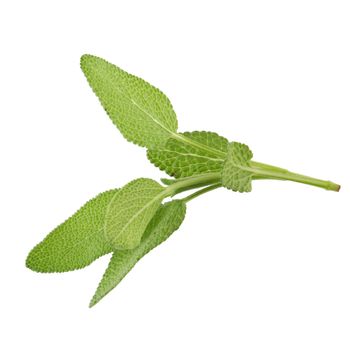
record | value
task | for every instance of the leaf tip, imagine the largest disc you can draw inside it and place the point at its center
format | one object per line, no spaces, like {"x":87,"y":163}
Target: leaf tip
{"x":30,"y":262}
{"x":84,"y":60}
{"x":92,"y":303}
{"x":97,"y":297}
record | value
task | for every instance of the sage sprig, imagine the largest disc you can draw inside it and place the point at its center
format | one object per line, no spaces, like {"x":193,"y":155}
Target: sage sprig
{"x":130,"y":221}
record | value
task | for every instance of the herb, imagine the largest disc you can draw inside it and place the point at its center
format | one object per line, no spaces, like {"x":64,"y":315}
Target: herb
{"x":130,"y":221}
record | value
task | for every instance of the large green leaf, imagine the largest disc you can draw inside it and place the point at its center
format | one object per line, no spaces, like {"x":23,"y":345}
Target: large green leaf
{"x":237,"y":174}
{"x":142,"y":113}
{"x":191,"y":154}
{"x":75,"y":243}
{"x":167,"y":219}
{"x":130,"y":211}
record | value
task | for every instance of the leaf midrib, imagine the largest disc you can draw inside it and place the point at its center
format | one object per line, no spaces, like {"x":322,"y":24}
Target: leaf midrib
{"x":175,"y":135}
{"x":160,"y":196}
{"x":199,"y":145}
{"x":151,"y":116}
{"x":193,"y":155}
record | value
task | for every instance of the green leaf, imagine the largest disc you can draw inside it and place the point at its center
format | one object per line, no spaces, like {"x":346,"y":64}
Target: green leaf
{"x":142,"y":113}
{"x":75,"y":243}
{"x":167,"y":182}
{"x":167,"y":219}
{"x":190,"y":155}
{"x":237,"y":174}
{"x":130,"y":211}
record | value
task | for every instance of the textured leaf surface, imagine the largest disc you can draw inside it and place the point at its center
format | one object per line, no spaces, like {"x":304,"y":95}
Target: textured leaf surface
{"x":181,"y":159}
{"x":77,"y":242}
{"x":236,"y":173}
{"x":142,"y":113}
{"x":130,"y":211}
{"x":167,"y":219}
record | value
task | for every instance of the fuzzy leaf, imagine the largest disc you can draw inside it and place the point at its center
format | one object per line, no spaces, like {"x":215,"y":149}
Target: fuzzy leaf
{"x":236,"y":173}
{"x":167,"y":182}
{"x":181,"y":159}
{"x":130,"y":211}
{"x":167,"y":219}
{"x":75,"y":243}
{"x":142,"y":113}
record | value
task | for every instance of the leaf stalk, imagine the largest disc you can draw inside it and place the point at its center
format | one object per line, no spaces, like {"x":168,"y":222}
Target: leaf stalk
{"x":266,"y":171}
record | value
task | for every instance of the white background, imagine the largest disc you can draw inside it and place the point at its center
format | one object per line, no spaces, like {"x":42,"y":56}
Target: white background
{"x":264,"y":270}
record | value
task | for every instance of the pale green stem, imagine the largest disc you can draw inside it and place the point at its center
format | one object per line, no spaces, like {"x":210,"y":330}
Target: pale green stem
{"x":265,"y":171}
{"x":261,"y":171}
{"x":192,"y":182}
{"x":202,"y":191}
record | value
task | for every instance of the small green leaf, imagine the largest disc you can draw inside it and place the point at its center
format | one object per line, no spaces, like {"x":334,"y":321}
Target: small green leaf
{"x":167,"y":182}
{"x":75,"y":243}
{"x":237,"y":174}
{"x":185,"y":157}
{"x":142,"y":113}
{"x":167,"y":219}
{"x":130,"y":211}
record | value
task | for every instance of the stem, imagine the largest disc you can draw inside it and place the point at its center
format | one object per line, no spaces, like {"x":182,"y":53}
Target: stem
{"x":202,"y":191}
{"x":268,"y":167}
{"x":259,"y":170}
{"x":191,"y":182}
{"x":265,"y":171}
